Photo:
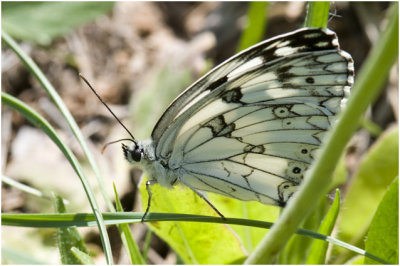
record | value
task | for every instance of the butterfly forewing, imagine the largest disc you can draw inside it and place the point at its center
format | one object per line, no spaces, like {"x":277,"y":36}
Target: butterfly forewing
{"x":250,"y":128}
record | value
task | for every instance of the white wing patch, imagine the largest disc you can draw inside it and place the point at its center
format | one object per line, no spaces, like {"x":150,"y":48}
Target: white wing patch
{"x":247,"y":66}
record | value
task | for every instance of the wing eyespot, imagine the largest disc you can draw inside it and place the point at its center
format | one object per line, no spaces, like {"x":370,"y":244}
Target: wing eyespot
{"x":310,"y":80}
{"x":281,"y":111}
{"x":296,"y":170}
{"x":285,"y":190}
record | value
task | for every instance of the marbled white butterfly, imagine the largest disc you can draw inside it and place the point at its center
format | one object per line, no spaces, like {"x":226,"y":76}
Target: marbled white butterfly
{"x":250,"y":127}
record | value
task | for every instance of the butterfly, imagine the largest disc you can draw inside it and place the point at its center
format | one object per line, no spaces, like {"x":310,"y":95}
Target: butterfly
{"x":250,"y":128}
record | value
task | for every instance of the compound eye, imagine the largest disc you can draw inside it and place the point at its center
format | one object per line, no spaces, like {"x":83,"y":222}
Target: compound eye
{"x":132,"y":153}
{"x":136,"y":155}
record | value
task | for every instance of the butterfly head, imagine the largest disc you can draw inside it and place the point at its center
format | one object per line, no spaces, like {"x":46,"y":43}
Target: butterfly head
{"x":133,"y":153}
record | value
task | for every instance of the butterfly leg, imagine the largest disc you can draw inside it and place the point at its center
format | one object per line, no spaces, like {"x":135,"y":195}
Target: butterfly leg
{"x":148,"y":184}
{"x":204,"y":198}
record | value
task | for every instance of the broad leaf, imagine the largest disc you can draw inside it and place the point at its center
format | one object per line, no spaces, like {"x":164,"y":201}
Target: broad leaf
{"x":383,"y":235}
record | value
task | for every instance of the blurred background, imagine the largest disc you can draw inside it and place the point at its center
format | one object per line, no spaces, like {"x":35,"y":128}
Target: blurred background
{"x":138,"y":56}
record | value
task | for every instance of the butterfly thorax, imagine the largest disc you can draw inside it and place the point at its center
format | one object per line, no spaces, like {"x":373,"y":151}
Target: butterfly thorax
{"x":142,"y":153}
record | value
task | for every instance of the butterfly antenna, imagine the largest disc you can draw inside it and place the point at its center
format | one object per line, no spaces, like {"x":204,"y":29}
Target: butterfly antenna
{"x":108,"y":108}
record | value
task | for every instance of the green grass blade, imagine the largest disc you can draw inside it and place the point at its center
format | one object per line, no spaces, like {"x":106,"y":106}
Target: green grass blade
{"x":27,"y":189}
{"x":37,"y":120}
{"x":256,"y":24}
{"x":87,"y":219}
{"x":369,"y":83}
{"x":146,"y":247}
{"x":126,"y":235}
{"x":318,"y":250}
{"x":317,"y":14}
{"x":68,"y":237}
{"x":55,"y":97}
{"x":83,"y":257}
{"x":372,"y":128}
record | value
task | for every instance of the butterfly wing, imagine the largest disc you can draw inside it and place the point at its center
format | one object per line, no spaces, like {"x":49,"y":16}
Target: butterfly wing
{"x":250,"y":128}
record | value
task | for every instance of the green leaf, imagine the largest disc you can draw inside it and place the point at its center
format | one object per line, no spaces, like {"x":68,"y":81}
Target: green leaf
{"x":317,"y":14}
{"x":196,"y":243}
{"x":318,"y":249}
{"x":376,"y":172}
{"x":250,"y":236}
{"x":383,"y":235}
{"x":256,"y":24}
{"x":68,"y":237}
{"x":41,"y":22}
{"x":356,"y":260}
{"x":82,"y":257}
{"x":129,"y":242}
